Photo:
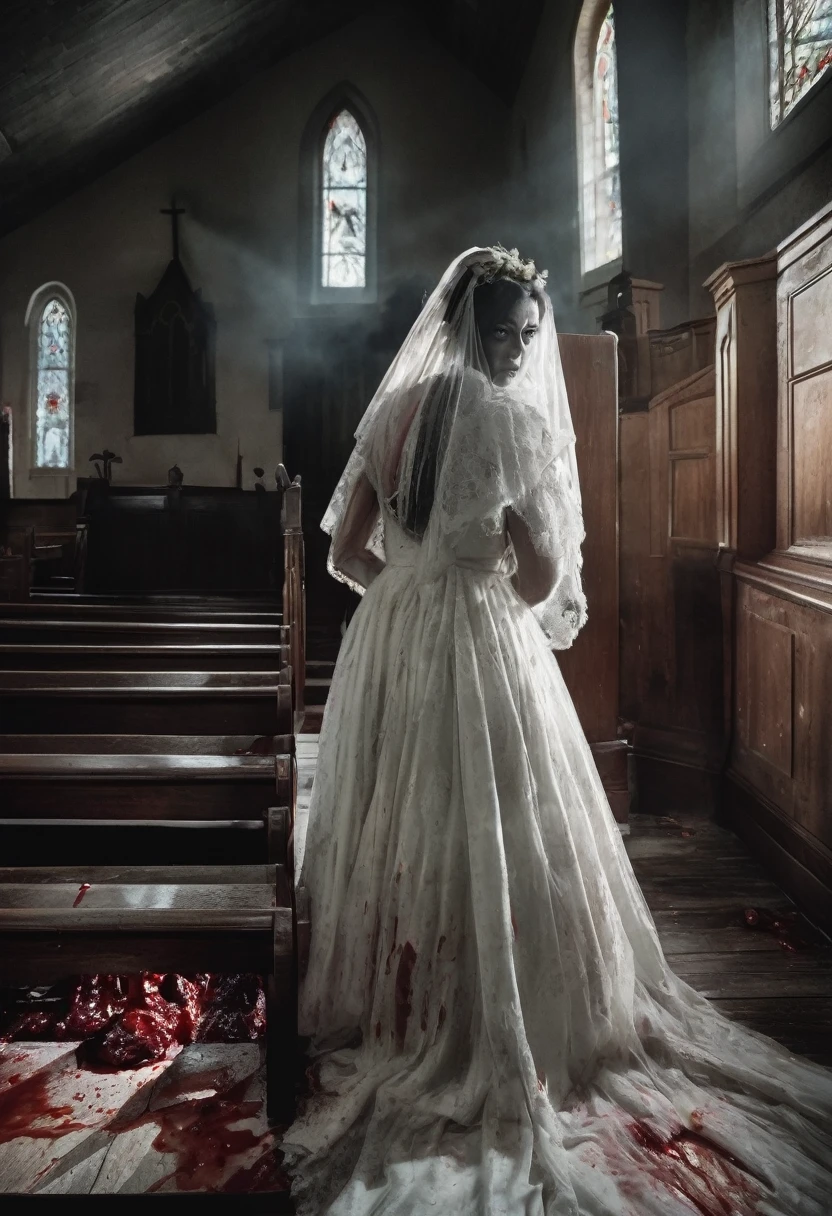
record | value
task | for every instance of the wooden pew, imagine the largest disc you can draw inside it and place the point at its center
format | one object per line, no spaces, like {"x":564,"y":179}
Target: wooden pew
{"x":169,"y":657}
{"x":53,"y":538}
{"x":66,"y":631}
{"x":178,"y":919}
{"x":150,"y":607}
{"x":91,"y":702}
{"x":93,"y":799}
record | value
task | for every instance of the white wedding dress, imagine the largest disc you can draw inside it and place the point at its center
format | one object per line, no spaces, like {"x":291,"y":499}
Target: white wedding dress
{"x":495,"y":1027}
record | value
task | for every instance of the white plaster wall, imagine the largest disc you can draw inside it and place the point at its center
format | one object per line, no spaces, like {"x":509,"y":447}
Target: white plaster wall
{"x":443,"y":147}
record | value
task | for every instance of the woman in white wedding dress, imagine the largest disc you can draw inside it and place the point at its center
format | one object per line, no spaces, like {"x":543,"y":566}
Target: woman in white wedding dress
{"x":494,"y":1025}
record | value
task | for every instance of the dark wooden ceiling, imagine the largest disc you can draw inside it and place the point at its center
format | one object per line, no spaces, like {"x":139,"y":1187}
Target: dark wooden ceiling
{"x":86,"y":83}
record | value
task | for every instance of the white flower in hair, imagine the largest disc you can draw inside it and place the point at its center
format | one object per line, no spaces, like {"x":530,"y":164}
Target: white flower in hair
{"x":508,"y":264}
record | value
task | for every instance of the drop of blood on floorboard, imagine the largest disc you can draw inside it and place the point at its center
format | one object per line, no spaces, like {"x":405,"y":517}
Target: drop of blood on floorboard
{"x":785,"y":926}
{"x":82,"y":890}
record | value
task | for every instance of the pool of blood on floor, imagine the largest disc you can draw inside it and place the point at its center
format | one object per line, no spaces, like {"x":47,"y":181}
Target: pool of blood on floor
{"x":26,"y":1109}
{"x":200,"y":1133}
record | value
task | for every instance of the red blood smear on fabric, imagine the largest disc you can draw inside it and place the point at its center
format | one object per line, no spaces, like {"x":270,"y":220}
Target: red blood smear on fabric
{"x":82,"y":890}
{"x":264,"y":1176}
{"x":710,"y":1178}
{"x":404,"y":991}
{"x":26,"y":1105}
{"x":425,"y":1011}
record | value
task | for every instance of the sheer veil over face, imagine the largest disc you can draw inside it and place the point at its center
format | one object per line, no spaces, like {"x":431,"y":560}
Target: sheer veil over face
{"x":446,"y":448}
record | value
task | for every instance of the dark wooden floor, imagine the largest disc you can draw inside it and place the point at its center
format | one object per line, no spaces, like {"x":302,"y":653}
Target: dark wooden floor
{"x":698,"y":880}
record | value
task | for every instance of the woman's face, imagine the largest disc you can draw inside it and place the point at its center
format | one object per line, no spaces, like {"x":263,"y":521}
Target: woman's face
{"x":506,"y":341}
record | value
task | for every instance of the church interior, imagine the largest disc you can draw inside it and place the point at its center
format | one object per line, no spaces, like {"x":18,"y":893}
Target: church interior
{"x":218,"y":221}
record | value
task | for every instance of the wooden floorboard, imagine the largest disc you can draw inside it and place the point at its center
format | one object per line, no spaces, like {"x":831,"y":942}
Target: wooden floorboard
{"x":699,"y":880}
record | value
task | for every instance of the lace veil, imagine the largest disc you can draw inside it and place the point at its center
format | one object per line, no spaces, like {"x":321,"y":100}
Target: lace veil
{"x":439,"y":432}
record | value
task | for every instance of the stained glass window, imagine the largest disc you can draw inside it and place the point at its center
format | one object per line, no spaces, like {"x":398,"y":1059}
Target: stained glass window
{"x":800,"y":50}
{"x":54,"y":387}
{"x":600,"y":149}
{"x":344,"y":210}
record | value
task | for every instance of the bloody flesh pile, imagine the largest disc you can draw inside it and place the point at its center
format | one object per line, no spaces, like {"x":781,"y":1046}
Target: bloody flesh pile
{"x":124,"y":1021}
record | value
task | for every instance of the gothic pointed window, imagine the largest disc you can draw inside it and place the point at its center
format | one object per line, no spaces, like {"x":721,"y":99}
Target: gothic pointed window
{"x":52,"y":380}
{"x":800,"y":50}
{"x":344,"y":204}
{"x":596,"y":78}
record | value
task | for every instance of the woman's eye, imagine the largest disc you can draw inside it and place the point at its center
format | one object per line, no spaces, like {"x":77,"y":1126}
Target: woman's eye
{"x":499,"y":332}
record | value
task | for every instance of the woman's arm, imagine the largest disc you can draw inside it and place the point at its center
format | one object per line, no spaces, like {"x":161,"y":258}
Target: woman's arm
{"x":349,"y":554}
{"x":536,"y":574}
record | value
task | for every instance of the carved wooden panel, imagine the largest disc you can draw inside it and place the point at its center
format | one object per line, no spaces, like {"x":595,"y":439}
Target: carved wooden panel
{"x":692,"y":505}
{"x":783,"y":742}
{"x":811,"y":450}
{"x":809,"y":328}
{"x":643,"y":579}
{"x":804,"y":292}
{"x":765,"y":664}
{"x":691,"y":455}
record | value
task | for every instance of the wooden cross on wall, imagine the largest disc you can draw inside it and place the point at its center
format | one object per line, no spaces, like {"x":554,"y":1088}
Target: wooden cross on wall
{"x":174,"y":212}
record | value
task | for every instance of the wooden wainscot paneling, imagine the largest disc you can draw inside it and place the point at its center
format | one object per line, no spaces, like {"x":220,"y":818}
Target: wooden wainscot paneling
{"x":779,"y":781}
{"x":591,"y":667}
{"x":778,"y":789}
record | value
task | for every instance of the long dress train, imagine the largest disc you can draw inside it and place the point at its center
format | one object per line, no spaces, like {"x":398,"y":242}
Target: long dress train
{"x":495,"y":1025}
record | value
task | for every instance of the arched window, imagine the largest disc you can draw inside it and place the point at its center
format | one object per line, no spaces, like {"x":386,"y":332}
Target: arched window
{"x":51,"y":320}
{"x":596,"y":86}
{"x":800,"y":50}
{"x":339,"y":174}
{"x":344,"y":204}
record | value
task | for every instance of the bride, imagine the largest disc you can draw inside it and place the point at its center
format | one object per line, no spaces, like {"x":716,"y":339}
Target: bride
{"x":495,"y":1028}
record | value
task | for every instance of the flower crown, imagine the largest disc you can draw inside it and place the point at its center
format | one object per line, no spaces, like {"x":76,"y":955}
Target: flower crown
{"x":508,"y":264}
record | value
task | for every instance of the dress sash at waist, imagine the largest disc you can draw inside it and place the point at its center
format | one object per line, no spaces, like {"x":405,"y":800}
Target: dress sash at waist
{"x":496,"y":564}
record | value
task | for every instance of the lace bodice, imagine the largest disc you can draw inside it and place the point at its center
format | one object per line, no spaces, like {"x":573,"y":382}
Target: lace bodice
{"x":476,"y":549}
